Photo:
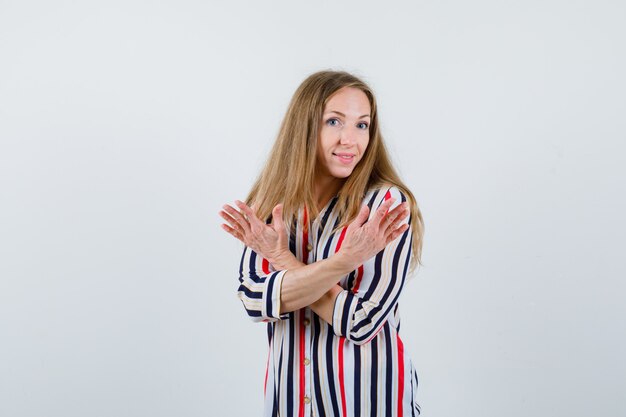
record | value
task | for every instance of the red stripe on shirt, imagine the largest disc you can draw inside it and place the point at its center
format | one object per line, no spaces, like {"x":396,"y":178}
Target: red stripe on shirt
{"x":357,"y":281}
{"x":341,"y":236}
{"x":400,"y":375}
{"x":267,"y":367}
{"x":305,"y":237}
{"x":305,"y":258}
{"x":342,"y":385}
{"x":301,"y":413}
{"x":265,"y":266}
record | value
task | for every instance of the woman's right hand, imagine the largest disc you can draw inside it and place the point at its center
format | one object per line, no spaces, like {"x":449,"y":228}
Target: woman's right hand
{"x":364,"y":239}
{"x":268,"y":240}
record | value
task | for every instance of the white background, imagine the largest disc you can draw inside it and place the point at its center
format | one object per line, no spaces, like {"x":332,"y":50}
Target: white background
{"x":125,"y":125}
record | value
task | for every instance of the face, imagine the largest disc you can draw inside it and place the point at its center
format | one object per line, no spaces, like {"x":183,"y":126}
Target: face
{"x":344,"y":133}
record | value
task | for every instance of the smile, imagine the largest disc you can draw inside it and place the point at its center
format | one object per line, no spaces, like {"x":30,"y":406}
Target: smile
{"x":344,"y":158}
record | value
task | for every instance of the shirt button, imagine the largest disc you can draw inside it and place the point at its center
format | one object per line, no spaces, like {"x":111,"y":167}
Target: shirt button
{"x":307,"y":322}
{"x":307,"y":361}
{"x":307,"y":400}
{"x":309,"y":247}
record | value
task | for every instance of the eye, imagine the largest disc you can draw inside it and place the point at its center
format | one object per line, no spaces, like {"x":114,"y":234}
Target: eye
{"x":362,"y":125}
{"x":332,"y":122}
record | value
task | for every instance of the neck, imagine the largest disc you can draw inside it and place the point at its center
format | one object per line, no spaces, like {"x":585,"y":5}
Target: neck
{"x":326,"y":187}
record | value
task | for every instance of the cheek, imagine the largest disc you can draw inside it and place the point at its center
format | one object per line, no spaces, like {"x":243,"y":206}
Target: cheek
{"x":363,"y":145}
{"x":321,"y":153}
{"x":322,"y":145}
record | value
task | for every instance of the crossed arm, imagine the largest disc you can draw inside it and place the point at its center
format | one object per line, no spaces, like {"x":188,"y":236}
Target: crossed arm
{"x":297,"y":285}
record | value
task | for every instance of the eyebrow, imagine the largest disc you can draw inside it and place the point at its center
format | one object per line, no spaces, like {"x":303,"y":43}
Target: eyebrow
{"x":343,"y":115}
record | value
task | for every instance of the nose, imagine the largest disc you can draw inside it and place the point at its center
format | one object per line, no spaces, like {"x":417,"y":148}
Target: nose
{"x":347,"y":135}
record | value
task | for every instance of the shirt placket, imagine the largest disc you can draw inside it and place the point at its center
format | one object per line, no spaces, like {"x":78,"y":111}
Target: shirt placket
{"x":308,"y":334}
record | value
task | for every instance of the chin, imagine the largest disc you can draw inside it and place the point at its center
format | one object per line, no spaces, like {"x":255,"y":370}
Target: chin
{"x":342,"y":173}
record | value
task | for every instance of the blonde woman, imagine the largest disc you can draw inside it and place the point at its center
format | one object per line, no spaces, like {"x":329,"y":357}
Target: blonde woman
{"x":330,"y":231}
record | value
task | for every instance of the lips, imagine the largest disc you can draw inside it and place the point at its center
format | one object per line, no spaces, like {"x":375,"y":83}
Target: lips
{"x":345,"y":158}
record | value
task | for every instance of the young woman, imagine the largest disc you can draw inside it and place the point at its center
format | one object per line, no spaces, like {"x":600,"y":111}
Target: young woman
{"x":330,"y":231}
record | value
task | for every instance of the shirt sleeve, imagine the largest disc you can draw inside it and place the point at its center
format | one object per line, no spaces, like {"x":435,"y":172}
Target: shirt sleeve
{"x":360,"y":315}
{"x":259,"y":287}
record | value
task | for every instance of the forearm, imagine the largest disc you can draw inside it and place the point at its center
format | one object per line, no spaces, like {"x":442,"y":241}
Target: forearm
{"x":313,"y":285}
{"x":325,"y":305}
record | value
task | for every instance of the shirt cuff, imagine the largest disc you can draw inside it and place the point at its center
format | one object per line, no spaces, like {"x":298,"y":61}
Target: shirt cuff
{"x":343,"y":312}
{"x":271,"y":296}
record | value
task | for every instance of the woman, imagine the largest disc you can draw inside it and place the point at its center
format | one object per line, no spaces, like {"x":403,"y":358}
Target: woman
{"x":330,"y":231}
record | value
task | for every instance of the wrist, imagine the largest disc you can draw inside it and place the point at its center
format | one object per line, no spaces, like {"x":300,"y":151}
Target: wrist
{"x":285,"y":260}
{"x":343,"y":262}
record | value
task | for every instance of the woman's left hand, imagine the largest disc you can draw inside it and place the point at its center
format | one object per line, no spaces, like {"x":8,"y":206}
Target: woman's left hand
{"x":268,"y":240}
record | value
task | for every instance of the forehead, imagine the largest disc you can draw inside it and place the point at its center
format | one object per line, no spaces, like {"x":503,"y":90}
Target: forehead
{"x":348,"y":100}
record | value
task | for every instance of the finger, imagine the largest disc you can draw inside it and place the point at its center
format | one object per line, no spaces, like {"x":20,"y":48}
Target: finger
{"x":399,"y":231}
{"x":252,"y":218}
{"x":238,"y":217}
{"x":254,"y":207}
{"x":233,"y":232}
{"x":362,"y":217}
{"x":277,"y":218}
{"x":398,"y":222}
{"x":230,"y":230}
{"x":391,"y":216}
{"x":395,"y":216}
{"x":382,"y":211}
{"x":398,"y":209}
{"x":403,"y":214}
{"x":232,"y":222}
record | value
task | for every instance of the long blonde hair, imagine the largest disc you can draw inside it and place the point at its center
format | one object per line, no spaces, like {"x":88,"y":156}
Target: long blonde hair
{"x":289,"y":172}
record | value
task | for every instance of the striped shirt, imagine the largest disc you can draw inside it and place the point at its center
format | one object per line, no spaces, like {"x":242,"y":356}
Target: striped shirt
{"x":358,"y":365}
